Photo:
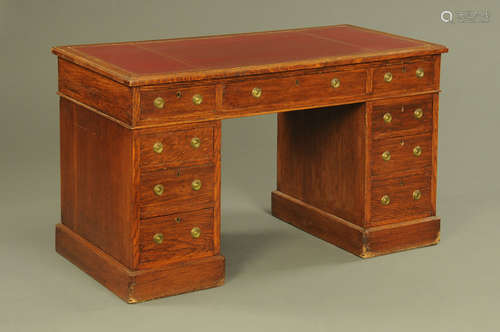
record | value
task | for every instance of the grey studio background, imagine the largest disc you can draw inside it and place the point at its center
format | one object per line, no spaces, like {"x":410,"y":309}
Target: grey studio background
{"x":278,"y":278}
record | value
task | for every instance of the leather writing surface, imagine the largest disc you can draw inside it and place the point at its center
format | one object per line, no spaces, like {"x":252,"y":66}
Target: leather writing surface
{"x":230,"y":51}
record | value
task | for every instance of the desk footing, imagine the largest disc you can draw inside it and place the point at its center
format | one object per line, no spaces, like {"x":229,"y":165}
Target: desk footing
{"x":138,"y":286}
{"x":363,"y":242}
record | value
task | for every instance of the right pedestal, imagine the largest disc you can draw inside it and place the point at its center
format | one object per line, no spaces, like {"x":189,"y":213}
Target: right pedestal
{"x":361,"y":176}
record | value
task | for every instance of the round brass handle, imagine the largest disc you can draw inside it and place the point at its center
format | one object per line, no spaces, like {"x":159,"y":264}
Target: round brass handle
{"x":178,"y":219}
{"x":418,"y":113}
{"x":159,"y":102}
{"x":417,"y":151}
{"x":417,"y":195}
{"x":158,"y":238}
{"x":386,"y":155}
{"x":387,"y":117}
{"x":197,"y":99}
{"x":195,"y":232}
{"x":196,"y":184}
{"x":388,"y":77}
{"x":158,"y":189}
{"x":257,"y":92}
{"x":195,"y":142}
{"x":335,"y":83}
{"x":158,"y":147}
{"x":419,"y":72}
{"x":385,"y":200}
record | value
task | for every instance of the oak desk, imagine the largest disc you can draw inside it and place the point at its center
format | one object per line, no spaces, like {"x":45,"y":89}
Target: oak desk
{"x":140,"y":147}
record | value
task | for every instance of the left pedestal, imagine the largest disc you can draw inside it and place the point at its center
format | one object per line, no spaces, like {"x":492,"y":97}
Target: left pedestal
{"x":140,"y":205}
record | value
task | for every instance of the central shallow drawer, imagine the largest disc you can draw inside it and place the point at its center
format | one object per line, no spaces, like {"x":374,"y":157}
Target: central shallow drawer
{"x":174,"y":237}
{"x":293,"y":91}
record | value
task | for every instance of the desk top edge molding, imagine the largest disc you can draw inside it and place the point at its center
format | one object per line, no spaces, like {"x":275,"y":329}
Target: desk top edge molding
{"x":128,"y":78}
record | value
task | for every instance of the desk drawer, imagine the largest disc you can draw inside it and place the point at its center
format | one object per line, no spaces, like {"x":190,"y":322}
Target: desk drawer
{"x":401,"y":198}
{"x":176,"y":148}
{"x":390,"y":156}
{"x":175,"y":237}
{"x":181,"y":188}
{"x":293,"y":91}
{"x":409,"y":115}
{"x":412,"y":75}
{"x":176,"y":103}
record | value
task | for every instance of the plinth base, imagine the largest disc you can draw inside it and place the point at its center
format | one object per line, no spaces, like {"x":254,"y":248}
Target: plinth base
{"x":143,"y":285}
{"x":363,"y":242}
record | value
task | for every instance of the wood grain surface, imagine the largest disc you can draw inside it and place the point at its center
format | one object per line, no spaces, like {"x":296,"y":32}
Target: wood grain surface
{"x":97,"y":189}
{"x":299,"y":89}
{"x":321,"y":159}
{"x":96,"y":91}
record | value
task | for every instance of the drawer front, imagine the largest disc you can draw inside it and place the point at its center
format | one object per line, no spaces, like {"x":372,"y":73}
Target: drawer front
{"x":403,"y":115}
{"x":176,"y":148}
{"x":390,"y":156}
{"x":179,"y":187}
{"x":289,"y":92}
{"x":176,"y":104}
{"x":410,"y":76}
{"x":176,"y":237}
{"x":402,"y":198}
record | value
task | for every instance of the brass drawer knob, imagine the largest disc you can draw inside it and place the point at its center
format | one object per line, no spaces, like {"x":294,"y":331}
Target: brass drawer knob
{"x":417,"y":195}
{"x":195,"y":142}
{"x":419,"y":72}
{"x":195,"y":232}
{"x":387,"y":118}
{"x":257,"y":92}
{"x":335,"y":83}
{"x":158,"y":189}
{"x":178,"y":219}
{"x":385,"y":200}
{"x":158,"y":238}
{"x":418,"y":113}
{"x":417,"y":151}
{"x":159,"y":102}
{"x":196,"y":184}
{"x":158,"y":147}
{"x":388,"y":77}
{"x":197,"y":99}
{"x":386,"y":155}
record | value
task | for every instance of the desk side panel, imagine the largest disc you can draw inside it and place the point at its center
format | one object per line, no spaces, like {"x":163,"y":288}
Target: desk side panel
{"x":321,"y":159}
{"x":97,"y":194}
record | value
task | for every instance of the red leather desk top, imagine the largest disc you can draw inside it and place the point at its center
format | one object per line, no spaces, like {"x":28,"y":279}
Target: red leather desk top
{"x":162,"y":61}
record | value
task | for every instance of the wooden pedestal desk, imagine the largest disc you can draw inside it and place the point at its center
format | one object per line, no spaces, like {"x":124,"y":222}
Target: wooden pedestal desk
{"x":141,"y":135}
